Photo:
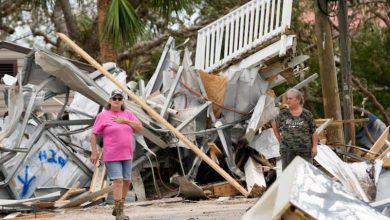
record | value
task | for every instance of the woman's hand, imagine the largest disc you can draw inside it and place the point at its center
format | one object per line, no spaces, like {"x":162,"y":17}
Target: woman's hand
{"x":94,"y":157}
{"x":119,"y":120}
{"x":314,"y":151}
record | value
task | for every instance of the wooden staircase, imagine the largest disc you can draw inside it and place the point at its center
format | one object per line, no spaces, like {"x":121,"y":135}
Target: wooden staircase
{"x":258,"y":23}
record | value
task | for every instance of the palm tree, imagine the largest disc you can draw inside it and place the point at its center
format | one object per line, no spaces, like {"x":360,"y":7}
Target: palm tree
{"x":120,"y":26}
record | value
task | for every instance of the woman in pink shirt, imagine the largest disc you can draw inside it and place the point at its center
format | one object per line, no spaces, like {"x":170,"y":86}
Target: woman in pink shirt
{"x":116,"y":125}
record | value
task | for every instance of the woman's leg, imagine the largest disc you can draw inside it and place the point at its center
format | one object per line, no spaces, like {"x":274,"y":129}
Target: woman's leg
{"x":115,"y":173}
{"x":126,"y":165}
{"x":118,"y":189}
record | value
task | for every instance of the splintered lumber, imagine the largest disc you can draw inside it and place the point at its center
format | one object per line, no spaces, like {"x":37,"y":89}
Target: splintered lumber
{"x":254,"y":177}
{"x":377,"y":146}
{"x":138,"y":185}
{"x":154,"y":114}
{"x":87,"y":197}
{"x":260,"y":158}
{"x":293,"y":213}
{"x":222,"y":189}
{"x":43,"y":205}
{"x":98,"y":176}
{"x":73,"y":190}
{"x":345,"y":121}
{"x":385,"y":152}
{"x":386,"y":162}
{"x":215,"y":152}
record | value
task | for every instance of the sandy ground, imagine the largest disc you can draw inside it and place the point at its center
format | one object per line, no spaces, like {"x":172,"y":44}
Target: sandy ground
{"x":222,"y":208}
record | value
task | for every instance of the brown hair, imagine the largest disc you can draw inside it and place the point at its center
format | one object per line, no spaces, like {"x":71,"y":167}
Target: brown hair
{"x":108,"y":106}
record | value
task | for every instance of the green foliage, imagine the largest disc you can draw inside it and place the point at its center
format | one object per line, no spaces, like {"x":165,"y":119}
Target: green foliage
{"x":122,"y":26}
{"x":166,"y":7}
{"x":370,"y":56}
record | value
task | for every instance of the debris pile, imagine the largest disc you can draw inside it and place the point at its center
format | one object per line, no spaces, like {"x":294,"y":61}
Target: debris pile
{"x":208,"y":135}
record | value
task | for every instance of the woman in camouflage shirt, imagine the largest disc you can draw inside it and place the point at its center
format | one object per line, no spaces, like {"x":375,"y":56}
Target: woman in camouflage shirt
{"x":295,"y":129}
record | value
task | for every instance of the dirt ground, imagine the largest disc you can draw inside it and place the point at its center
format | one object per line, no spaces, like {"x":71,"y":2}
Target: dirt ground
{"x":222,"y":208}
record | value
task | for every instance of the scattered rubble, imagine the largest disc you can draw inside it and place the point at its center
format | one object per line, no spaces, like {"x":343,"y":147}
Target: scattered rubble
{"x":207,"y":136}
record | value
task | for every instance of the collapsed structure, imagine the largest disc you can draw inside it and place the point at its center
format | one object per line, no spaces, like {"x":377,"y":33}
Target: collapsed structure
{"x":250,"y":51}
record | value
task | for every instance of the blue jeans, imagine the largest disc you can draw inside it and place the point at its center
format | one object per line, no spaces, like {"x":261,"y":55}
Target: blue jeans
{"x":119,"y":169}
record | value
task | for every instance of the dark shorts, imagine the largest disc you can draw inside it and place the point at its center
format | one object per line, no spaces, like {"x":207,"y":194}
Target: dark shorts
{"x":119,"y":169}
{"x":289,"y":155}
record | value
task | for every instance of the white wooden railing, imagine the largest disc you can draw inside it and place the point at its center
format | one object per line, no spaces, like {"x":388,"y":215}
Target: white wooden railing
{"x":241,"y":30}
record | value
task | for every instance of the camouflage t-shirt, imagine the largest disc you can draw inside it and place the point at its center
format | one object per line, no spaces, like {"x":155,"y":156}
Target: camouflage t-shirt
{"x":296,"y":131}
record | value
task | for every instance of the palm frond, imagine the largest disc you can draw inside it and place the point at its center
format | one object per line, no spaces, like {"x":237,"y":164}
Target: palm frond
{"x":166,"y":7}
{"x":122,"y":26}
{"x":39,"y":3}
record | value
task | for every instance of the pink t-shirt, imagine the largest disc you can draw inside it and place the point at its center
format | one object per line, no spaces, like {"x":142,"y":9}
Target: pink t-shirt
{"x":117,"y":137}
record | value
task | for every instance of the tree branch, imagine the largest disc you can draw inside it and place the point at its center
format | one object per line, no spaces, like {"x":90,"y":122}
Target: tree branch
{"x":45,"y":37}
{"x":145,"y":46}
{"x":381,"y":16}
{"x":9,"y":7}
{"x":142,"y":48}
{"x":7,"y":29}
{"x":371,"y":97}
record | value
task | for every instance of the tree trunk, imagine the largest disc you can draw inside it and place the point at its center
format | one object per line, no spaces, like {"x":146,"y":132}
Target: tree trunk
{"x":349,"y":128}
{"x":330,"y":90}
{"x":107,"y":53}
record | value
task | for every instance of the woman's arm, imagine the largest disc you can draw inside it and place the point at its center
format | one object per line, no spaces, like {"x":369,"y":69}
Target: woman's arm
{"x":276,"y":130}
{"x":135,"y":124}
{"x":314,"y":150}
{"x":94,"y":154}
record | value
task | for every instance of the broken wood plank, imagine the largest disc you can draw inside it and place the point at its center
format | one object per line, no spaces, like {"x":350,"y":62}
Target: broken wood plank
{"x":377,"y":146}
{"x":324,"y":125}
{"x":338,"y":122}
{"x":293,"y":213}
{"x":214,"y":157}
{"x":215,"y":149}
{"x":254,"y":177}
{"x":74,"y":186}
{"x":153,"y":114}
{"x":260,"y":158}
{"x":215,"y":152}
{"x":71,"y":192}
{"x":386,"y":162}
{"x":98,"y":175}
{"x":385,"y":152}
{"x":221,"y":189}
{"x":87,"y":197}
{"x":138,"y":185}
{"x":43,"y":205}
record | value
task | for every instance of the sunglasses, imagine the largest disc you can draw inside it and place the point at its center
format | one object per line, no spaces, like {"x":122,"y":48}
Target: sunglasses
{"x":117,"y":99}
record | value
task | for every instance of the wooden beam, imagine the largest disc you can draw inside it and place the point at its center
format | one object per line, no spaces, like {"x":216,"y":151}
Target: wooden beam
{"x":87,"y":197}
{"x":377,"y":146}
{"x":138,"y":185}
{"x":154,"y":114}
{"x":221,"y":189}
{"x":99,"y":175}
{"x":254,"y":177}
{"x":338,"y":122}
{"x":71,"y":191}
{"x":385,"y":152}
{"x":386,"y":162}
